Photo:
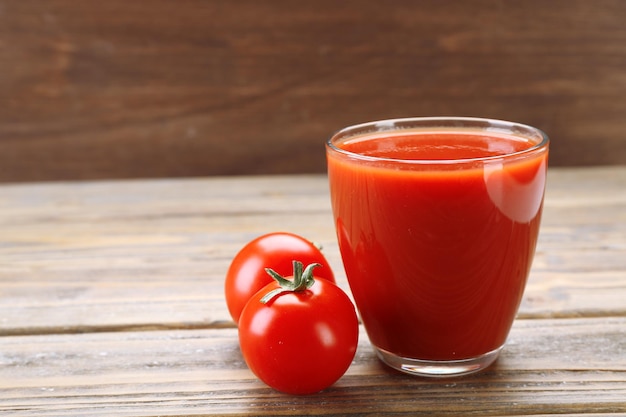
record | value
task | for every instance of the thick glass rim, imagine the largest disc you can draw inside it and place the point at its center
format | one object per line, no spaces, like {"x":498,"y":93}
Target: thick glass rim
{"x":442,"y":123}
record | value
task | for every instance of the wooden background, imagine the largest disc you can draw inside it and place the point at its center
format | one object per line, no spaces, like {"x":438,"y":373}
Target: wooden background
{"x":117,"y":89}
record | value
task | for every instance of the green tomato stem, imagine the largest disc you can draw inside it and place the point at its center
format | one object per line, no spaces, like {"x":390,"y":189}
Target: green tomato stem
{"x":302,"y":280}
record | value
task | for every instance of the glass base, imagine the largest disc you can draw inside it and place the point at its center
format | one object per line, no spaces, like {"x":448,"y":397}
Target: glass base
{"x":440,"y":369}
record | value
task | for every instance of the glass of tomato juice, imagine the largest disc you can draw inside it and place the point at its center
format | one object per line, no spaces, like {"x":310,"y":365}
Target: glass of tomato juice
{"x":437,"y":221}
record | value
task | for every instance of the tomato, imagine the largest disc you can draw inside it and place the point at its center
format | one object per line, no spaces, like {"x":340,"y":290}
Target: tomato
{"x":246,"y":274}
{"x":300,"y":339}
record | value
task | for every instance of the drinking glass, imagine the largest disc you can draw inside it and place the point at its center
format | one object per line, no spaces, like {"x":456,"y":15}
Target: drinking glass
{"x":437,"y":221}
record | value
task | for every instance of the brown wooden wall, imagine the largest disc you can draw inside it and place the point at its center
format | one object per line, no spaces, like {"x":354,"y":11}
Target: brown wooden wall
{"x":111,"y":89}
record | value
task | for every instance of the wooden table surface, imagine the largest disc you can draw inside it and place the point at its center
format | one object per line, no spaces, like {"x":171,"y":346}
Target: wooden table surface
{"x":111,"y":303}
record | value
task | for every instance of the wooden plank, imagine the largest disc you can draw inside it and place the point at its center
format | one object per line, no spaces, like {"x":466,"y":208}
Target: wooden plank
{"x":140,"y":253}
{"x":101,"y":256}
{"x":118,"y":89}
{"x":548,"y":367}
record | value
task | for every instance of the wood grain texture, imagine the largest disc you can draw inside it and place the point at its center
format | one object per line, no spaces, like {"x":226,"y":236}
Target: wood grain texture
{"x":111,"y":304}
{"x":121,"y":89}
{"x":103,"y":256}
{"x":546,"y":366}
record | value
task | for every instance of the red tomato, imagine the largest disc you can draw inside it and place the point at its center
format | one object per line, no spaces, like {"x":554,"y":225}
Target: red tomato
{"x":300,"y":341}
{"x":277,"y":251}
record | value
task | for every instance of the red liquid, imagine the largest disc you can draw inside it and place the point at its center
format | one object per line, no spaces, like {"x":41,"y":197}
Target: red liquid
{"x":437,"y":257}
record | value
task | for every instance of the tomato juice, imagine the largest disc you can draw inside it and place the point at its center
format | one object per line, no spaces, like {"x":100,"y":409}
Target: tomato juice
{"x":437,"y":230}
